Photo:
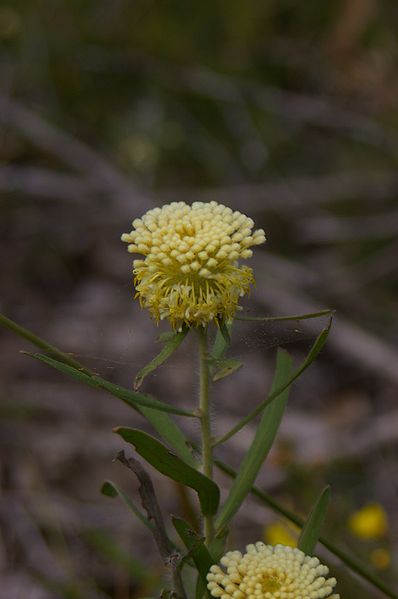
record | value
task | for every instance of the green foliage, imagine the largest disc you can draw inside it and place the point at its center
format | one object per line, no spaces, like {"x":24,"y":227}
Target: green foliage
{"x":261,"y":444}
{"x":110,"y":489}
{"x":169,"y":464}
{"x":169,"y":348}
{"x":314,"y":351}
{"x":195,"y":545}
{"x":132,"y":398}
{"x":312,"y":528}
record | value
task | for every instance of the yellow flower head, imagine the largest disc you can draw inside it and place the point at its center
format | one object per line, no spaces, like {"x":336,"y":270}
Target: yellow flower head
{"x":265,"y":572}
{"x":190,"y":274}
{"x":370,"y":522}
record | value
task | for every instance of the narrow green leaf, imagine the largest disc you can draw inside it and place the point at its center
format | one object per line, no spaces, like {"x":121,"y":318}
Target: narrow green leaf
{"x":352,"y":562}
{"x":217,"y":545}
{"x":282,"y":318}
{"x":172,"y":466}
{"x":201,"y":588}
{"x":130,"y":397}
{"x":170,"y":347}
{"x":225,"y":332}
{"x":195,"y":545}
{"x":110,"y":489}
{"x":312,"y":528}
{"x":314,"y":351}
{"x":225,"y":368}
{"x":161,"y":422}
{"x":171,"y":433}
{"x":54,"y":352}
{"x":221,"y":344}
{"x":262,"y":442}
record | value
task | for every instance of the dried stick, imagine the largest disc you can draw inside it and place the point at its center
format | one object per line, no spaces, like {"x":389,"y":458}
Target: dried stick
{"x":150,"y":503}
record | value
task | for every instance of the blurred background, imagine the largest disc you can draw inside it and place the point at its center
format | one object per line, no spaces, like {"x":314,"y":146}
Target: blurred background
{"x":284,"y":110}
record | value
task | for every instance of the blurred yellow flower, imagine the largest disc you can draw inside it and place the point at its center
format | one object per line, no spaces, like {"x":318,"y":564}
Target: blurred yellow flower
{"x":368,"y":523}
{"x":280,"y":533}
{"x":190,"y":274}
{"x":380,"y":558}
{"x":264,"y":572}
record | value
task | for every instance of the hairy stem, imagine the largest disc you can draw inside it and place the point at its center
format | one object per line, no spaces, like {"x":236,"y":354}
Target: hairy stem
{"x":207,"y":453}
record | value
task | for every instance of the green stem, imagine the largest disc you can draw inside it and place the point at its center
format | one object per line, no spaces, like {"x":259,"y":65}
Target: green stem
{"x":205,"y":424}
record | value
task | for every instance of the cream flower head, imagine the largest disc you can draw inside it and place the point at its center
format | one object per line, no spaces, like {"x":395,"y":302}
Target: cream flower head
{"x":190,"y":274}
{"x":267,"y":572}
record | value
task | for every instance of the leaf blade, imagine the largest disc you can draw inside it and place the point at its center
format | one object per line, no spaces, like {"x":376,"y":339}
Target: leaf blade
{"x":307,"y":316}
{"x":110,"y":489}
{"x":314,"y":351}
{"x":311,"y":530}
{"x":195,"y":545}
{"x":130,"y":397}
{"x":171,"y":345}
{"x":261,"y":444}
{"x":172,"y":466}
{"x":171,"y":433}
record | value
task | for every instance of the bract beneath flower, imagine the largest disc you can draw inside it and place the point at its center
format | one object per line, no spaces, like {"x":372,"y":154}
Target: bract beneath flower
{"x":190,"y":273}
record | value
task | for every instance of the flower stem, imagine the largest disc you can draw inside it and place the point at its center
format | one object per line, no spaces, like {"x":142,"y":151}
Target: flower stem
{"x":205,"y":424}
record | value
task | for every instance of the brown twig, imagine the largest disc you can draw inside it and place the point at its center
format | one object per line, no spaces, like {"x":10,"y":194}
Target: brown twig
{"x":150,"y":503}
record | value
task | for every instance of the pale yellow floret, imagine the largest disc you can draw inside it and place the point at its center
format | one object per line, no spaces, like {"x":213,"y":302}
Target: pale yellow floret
{"x":267,"y":572}
{"x":190,"y":273}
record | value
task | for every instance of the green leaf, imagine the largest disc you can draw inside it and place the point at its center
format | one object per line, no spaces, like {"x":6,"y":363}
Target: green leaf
{"x":312,"y":528}
{"x":130,"y":397}
{"x":195,"y":545}
{"x":217,"y":545}
{"x":162,"y":423}
{"x":172,"y":466}
{"x":171,"y":433}
{"x":282,"y":318}
{"x":314,"y":351}
{"x":170,"y":347}
{"x":221,"y":343}
{"x":201,"y":589}
{"x":225,"y":368}
{"x":225,"y":331}
{"x":261,"y":444}
{"x":110,"y":489}
{"x":39,"y":342}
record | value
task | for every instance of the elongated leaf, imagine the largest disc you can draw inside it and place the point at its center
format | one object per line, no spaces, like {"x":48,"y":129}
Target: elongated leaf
{"x":195,"y":545}
{"x":226,"y":367}
{"x":169,"y":348}
{"x":130,"y":397}
{"x":225,"y":332}
{"x":262,"y":442}
{"x":352,"y":562}
{"x":172,"y":466}
{"x":314,"y":351}
{"x":217,"y":545}
{"x":110,"y":489}
{"x":53,"y":351}
{"x":171,"y":433}
{"x":282,"y":318}
{"x":312,"y":528}
{"x":221,"y":343}
{"x":161,"y":421}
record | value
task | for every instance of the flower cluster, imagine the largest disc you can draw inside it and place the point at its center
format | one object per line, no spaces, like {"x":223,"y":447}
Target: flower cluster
{"x":265,"y":572}
{"x":190,"y":274}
